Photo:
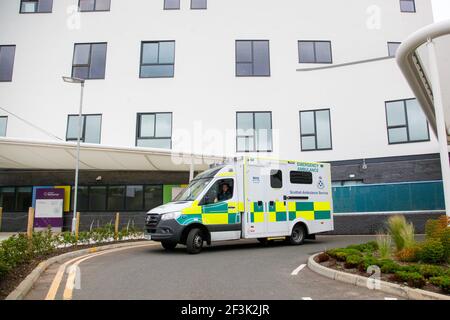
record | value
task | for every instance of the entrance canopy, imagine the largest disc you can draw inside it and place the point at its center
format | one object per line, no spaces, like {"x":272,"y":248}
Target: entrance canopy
{"x":413,"y":58}
{"x":28,"y":154}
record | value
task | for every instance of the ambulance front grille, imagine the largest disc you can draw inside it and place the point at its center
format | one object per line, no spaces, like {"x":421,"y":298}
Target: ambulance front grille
{"x":152,"y":220}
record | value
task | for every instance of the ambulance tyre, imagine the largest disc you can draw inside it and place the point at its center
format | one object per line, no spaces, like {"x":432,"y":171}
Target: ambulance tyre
{"x":168,"y":245}
{"x":298,"y":235}
{"x":194,"y":242}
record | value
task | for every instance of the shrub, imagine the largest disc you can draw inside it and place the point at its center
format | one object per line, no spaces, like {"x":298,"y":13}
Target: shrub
{"x":442,"y":282}
{"x":368,"y":247}
{"x":352,"y":261}
{"x":384,"y":243}
{"x":432,"y":251}
{"x":414,"y":279}
{"x":366,"y":262}
{"x":4,"y":269}
{"x":410,"y":254}
{"x":389,"y":266}
{"x":342,"y":254}
{"x":439,"y":229}
{"x":401,"y":231}
{"x":323,"y":257}
{"x":430,"y":271}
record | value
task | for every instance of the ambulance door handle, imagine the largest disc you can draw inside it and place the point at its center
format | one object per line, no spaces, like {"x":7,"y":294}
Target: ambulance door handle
{"x":231,"y":207}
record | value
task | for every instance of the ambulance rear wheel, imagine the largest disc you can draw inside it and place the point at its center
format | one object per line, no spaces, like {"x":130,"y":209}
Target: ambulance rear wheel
{"x":168,"y":245}
{"x":298,"y":235}
{"x":194,"y":242}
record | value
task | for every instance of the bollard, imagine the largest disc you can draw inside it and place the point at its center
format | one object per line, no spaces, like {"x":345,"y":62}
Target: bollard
{"x":30,"y":222}
{"x":116,"y":229}
{"x":77,"y":226}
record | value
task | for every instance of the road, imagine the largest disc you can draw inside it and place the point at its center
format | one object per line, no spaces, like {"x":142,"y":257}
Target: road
{"x":240,"y":270}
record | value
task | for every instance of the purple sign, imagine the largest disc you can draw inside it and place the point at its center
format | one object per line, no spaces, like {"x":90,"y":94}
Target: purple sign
{"x":49,"y":208}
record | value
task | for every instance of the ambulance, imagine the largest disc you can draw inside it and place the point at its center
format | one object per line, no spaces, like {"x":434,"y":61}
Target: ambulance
{"x":247,"y":198}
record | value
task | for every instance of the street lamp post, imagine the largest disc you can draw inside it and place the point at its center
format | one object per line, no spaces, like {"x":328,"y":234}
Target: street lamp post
{"x":80,"y":127}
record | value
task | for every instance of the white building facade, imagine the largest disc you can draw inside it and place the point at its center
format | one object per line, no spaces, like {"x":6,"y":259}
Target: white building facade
{"x":222,"y":77}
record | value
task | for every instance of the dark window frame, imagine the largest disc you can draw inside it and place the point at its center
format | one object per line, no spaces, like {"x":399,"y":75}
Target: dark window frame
{"x":205,"y":8}
{"x":254,"y":130}
{"x":274,"y":173}
{"x":141,"y":64}
{"x":14,"y":60}
{"x":15,"y":198}
{"x":389,"y":49}
{"x":315,"y":51}
{"x":95,"y":5}
{"x":252,"y":62}
{"x":308,"y":173}
{"x":315,"y":130}
{"x":6,"y":126}
{"x":166,"y":8}
{"x":90,"y":59}
{"x":124,"y":197}
{"x":138,"y":128}
{"x":83,"y":132}
{"x":35,"y":12}
{"x":406,"y":126}
{"x":413,"y":2}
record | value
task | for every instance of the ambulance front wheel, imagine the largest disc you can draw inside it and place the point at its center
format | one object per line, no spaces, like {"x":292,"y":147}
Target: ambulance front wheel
{"x":298,"y":235}
{"x":194,"y":242}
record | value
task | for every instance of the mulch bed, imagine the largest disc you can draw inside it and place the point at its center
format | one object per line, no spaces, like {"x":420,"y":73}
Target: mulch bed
{"x":339,"y":266}
{"x":14,"y":278}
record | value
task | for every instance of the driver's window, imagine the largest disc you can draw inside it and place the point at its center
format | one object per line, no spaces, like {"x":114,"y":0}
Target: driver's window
{"x":220,"y":191}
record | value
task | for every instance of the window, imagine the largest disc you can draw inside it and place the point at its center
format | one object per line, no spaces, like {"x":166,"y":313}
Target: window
{"x":315,"y":130}
{"x":153,"y":197}
{"x":7,"y":54}
{"x":91,"y":126}
{"x":97,"y":198}
{"x":199,"y":4}
{"x":89,"y":61}
{"x":36,"y":6}
{"x":94,"y":5}
{"x":3,"y":125}
{"x":254,"y":131}
{"x":392,"y":48}
{"x":116,"y":198}
{"x":134,"y":198}
{"x":171,"y":4}
{"x":301,"y":177}
{"x":252,"y":58}
{"x":220,"y":191}
{"x":154,"y":130}
{"x":406,"y":122}
{"x":15,"y":199}
{"x":407,"y":6}
{"x":276,"y":179}
{"x":315,"y":52}
{"x":157,"y":59}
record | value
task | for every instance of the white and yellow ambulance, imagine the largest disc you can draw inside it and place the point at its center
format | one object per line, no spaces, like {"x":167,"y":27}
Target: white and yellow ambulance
{"x":247,"y":198}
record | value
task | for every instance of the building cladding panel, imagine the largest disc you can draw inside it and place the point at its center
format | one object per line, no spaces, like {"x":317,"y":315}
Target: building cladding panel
{"x":205,"y":91}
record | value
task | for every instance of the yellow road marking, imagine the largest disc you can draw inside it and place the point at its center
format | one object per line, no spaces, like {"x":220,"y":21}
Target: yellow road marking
{"x":51,"y":295}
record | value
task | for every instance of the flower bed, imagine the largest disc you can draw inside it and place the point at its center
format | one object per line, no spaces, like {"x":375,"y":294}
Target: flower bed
{"x":399,"y":257}
{"x":19,"y":255}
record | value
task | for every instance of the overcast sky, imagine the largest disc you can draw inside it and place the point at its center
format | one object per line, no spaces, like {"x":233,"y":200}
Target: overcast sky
{"x":441,"y":9}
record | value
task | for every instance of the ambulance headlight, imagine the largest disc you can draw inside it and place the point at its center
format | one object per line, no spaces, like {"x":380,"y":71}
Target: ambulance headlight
{"x":171,"y":216}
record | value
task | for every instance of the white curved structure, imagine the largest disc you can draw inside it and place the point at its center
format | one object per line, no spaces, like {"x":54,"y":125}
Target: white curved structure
{"x":424,"y":59}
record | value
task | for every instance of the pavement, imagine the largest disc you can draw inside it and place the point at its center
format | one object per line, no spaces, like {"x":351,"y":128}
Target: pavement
{"x":238,"y":270}
{"x":5,"y":235}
